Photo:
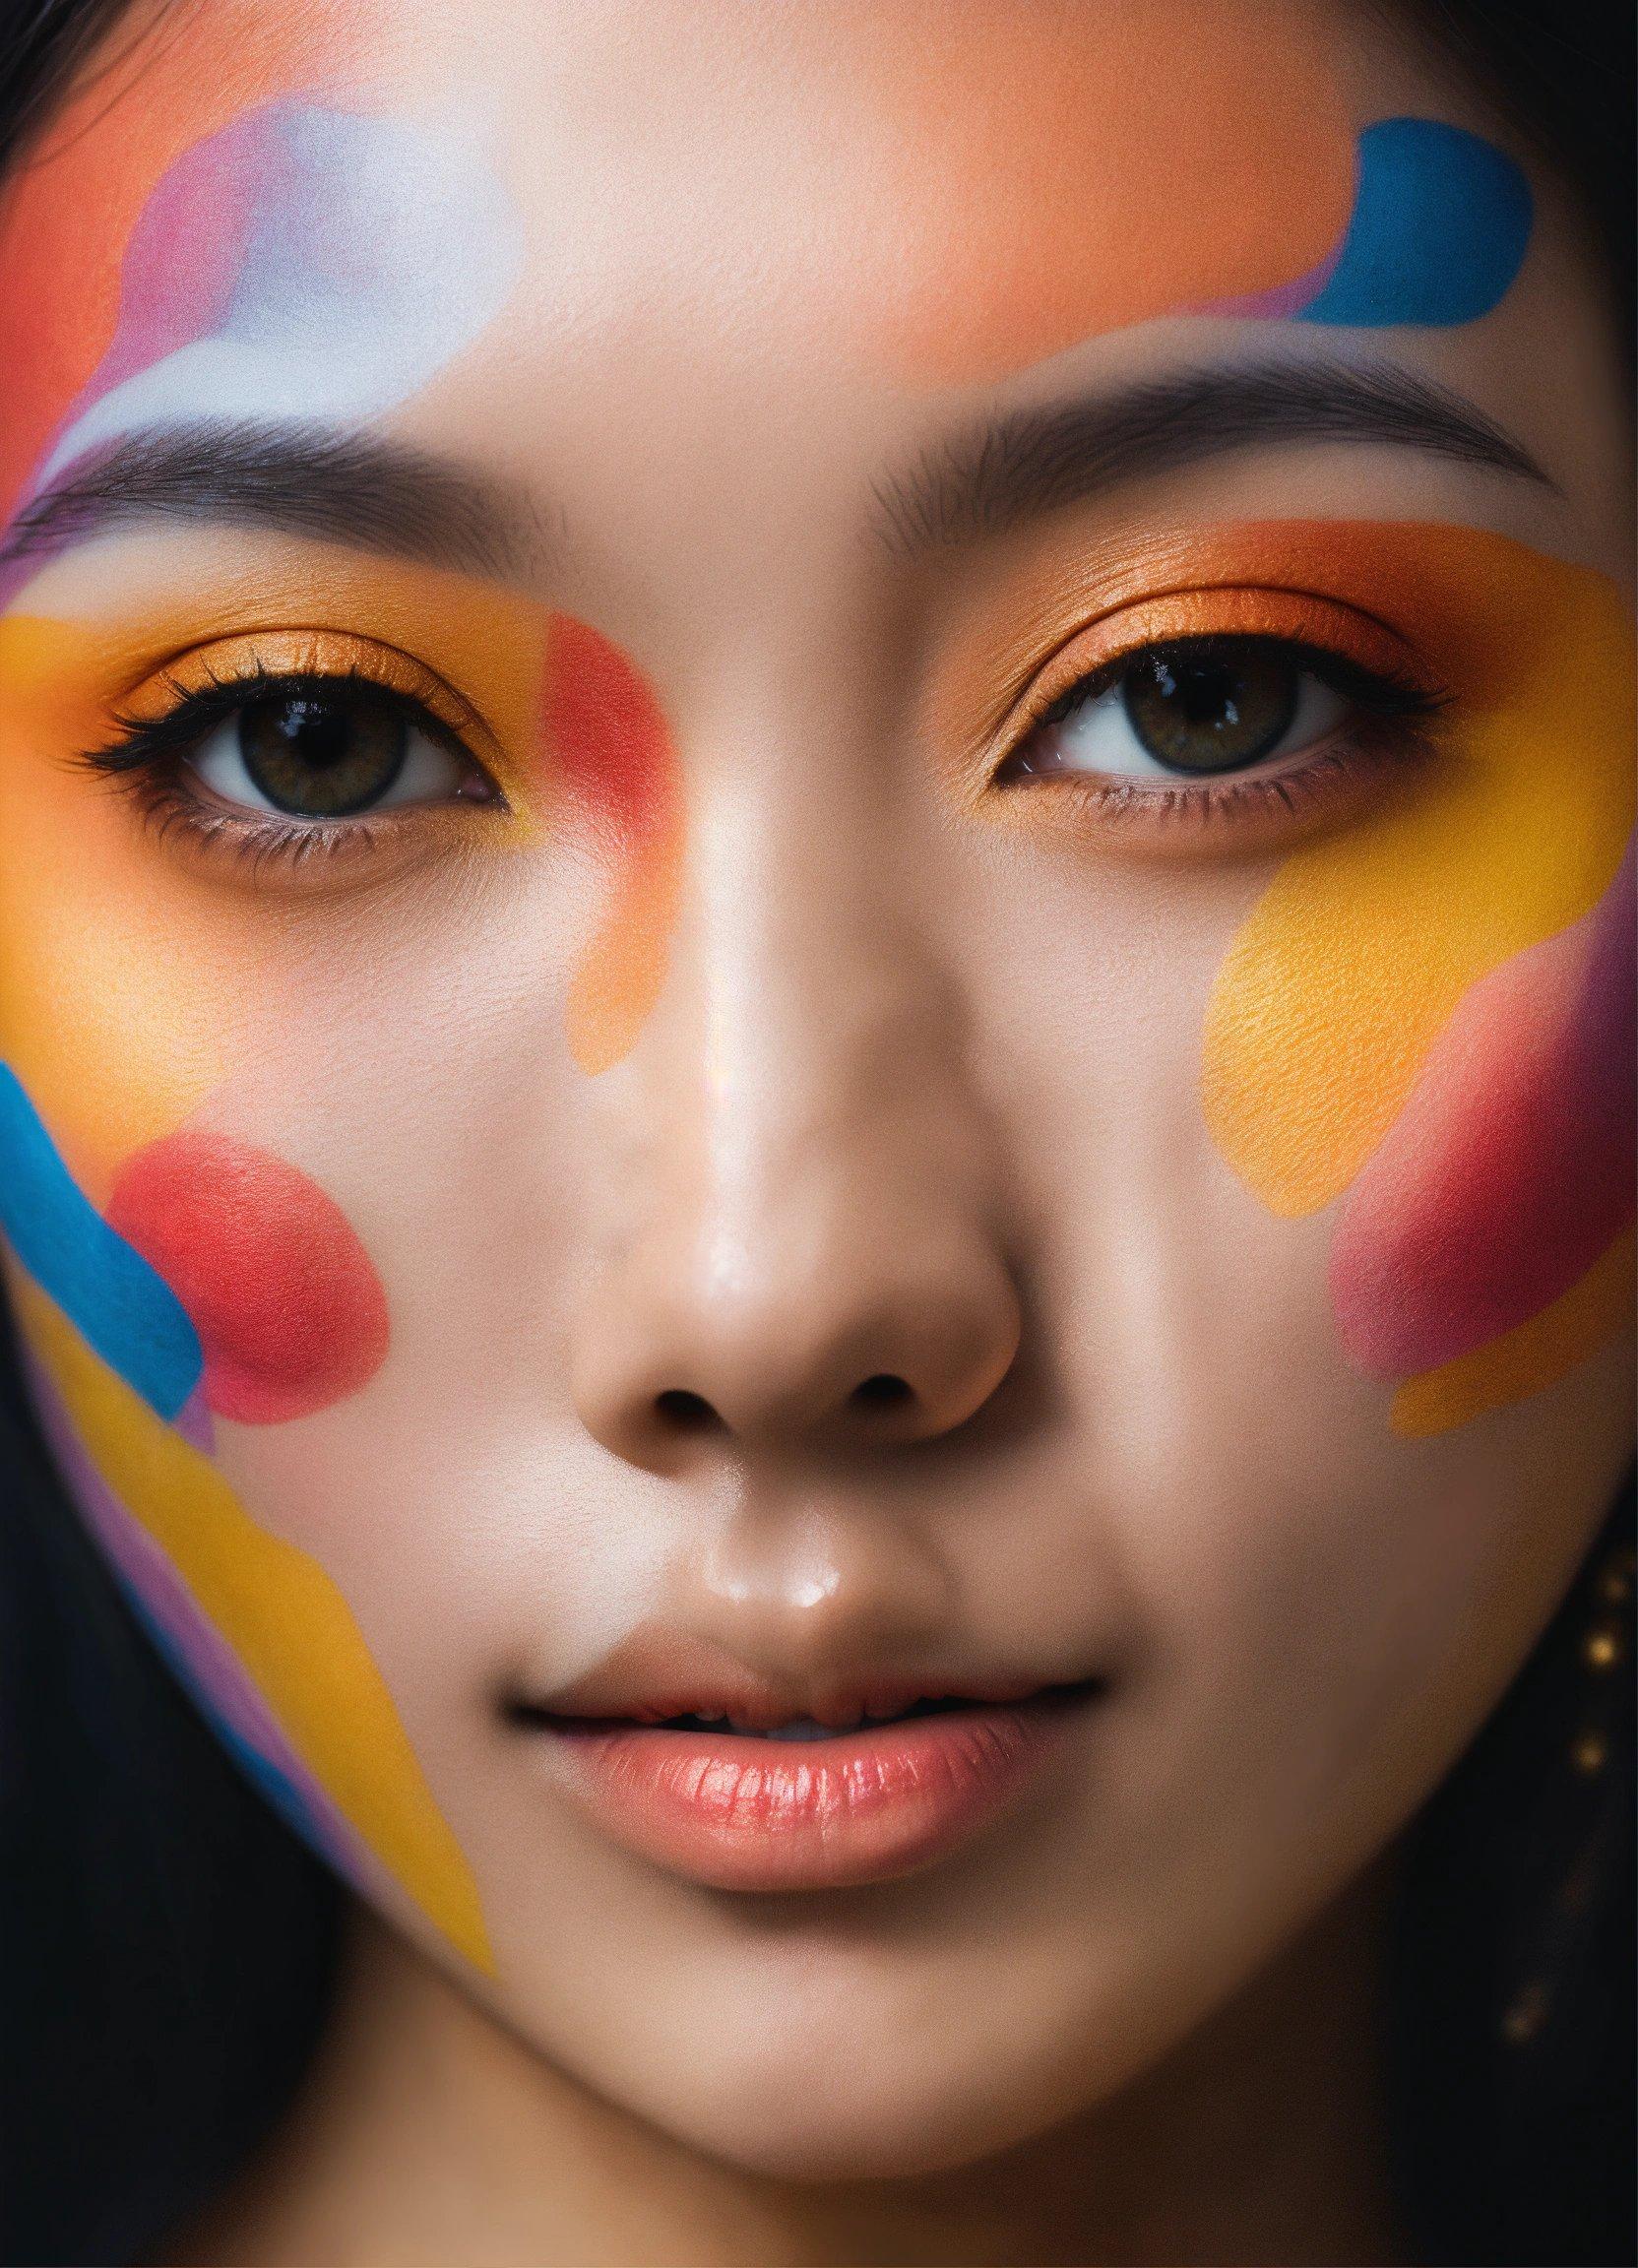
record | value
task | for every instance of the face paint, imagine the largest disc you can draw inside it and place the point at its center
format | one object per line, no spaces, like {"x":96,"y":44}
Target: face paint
{"x":334,"y":264}
{"x":1429,"y":1012}
{"x":1440,"y":226}
{"x":607,"y":742}
{"x":1060,"y":176}
{"x":1548,"y":1041}
{"x":211,"y":1279}
{"x":286,"y":1315}
{"x":300,"y":263}
{"x":290,"y":1313}
{"x":70,"y":217}
{"x":286,"y":1625}
{"x":117,"y":1301}
{"x":256,"y":256}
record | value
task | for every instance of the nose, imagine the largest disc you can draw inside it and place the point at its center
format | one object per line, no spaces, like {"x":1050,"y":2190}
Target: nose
{"x":808,"y":1249}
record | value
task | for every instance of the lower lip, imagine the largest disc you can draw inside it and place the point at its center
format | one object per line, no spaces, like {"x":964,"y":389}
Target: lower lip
{"x":737,"y":1813}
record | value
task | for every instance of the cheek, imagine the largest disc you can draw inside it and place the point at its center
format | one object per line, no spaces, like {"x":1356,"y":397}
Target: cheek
{"x":1429,"y":1017}
{"x":289,"y":1312}
{"x":215,"y":1258}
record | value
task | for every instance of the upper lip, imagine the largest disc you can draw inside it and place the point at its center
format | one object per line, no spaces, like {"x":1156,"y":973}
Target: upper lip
{"x":656,"y":1674}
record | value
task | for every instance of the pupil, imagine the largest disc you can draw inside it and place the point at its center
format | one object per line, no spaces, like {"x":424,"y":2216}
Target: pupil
{"x":323,"y":756}
{"x":1204,"y":708}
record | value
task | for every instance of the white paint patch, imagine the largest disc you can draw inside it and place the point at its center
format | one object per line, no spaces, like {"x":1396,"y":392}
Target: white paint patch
{"x":377,"y":250}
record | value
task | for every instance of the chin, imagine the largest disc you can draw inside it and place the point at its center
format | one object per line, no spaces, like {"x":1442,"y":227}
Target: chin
{"x":883,"y":2105}
{"x":851,"y":2137}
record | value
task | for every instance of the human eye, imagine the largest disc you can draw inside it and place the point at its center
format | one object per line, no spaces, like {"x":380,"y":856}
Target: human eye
{"x":291,"y":758}
{"x":1218,"y":726}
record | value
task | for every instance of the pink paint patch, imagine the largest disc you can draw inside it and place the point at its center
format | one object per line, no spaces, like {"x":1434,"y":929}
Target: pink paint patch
{"x":289,"y":1312}
{"x":1283,"y":300}
{"x":1510,"y":1170}
{"x":186,"y":251}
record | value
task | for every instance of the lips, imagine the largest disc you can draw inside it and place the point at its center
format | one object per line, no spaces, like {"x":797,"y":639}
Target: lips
{"x":722,"y":1781}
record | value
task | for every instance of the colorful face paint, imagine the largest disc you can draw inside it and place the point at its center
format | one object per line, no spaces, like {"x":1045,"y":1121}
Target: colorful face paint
{"x":607,"y":742}
{"x":285,"y":1623}
{"x":120,"y":1305}
{"x":255,"y":254}
{"x":302,"y":264}
{"x":290,"y":1313}
{"x":286,"y":1316}
{"x":215,"y":1280}
{"x":1439,"y":229}
{"x":1546,"y":1040}
{"x":69,"y":220}
{"x":1058,"y":175}
{"x":1431,"y":1012}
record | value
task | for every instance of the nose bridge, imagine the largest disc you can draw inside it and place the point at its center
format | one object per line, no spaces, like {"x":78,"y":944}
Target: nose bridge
{"x":809,"y":1245}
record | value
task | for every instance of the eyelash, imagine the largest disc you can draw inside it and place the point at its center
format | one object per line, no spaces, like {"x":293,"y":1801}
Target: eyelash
{"x":1399,"y":711}
{"x":148,"y":758}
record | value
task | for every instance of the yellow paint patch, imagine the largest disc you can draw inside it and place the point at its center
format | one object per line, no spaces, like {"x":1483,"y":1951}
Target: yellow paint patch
{"x":1351,"y":962}
{"x":89,"y":951}
{"x":284,"y":1618}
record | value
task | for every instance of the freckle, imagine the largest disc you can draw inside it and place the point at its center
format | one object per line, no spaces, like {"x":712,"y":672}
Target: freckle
{"x":289,"y":1312}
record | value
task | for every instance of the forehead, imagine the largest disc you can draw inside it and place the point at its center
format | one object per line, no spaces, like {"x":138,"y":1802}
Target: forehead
{"x":967,"y":187}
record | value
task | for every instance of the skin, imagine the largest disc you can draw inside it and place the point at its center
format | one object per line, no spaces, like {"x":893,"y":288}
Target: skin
{"x":758,"y":1042}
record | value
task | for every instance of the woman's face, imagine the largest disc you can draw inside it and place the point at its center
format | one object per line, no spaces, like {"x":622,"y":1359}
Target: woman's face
{"x":811,"y":893}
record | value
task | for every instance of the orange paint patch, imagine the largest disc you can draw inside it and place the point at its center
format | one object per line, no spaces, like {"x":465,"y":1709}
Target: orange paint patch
{"x":608,"y":742}
{"x":121,"y":1037}
{"x":1054,"y":170}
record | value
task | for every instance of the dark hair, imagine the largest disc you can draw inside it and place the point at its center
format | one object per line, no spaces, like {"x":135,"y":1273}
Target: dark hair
{"x":167,"y":1948}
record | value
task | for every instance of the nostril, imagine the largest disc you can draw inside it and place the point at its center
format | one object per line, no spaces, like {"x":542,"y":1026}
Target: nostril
{"x":684,"y":1412}
{"x":882,"y":1390}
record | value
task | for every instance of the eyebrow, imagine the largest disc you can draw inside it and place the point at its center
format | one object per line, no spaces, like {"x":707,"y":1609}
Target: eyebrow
{"x":1029,"y":462}
{"x":361,"y":489}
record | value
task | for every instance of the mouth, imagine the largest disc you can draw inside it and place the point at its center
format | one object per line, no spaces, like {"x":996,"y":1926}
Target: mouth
{"x":740,"y":1794}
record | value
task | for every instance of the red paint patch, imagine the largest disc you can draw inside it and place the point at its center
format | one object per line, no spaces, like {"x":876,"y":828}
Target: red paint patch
{"x":1510,"y":1170}
{"x":289,"y":1312}
{"x":609,"y":744}
{"x":605,"y":730}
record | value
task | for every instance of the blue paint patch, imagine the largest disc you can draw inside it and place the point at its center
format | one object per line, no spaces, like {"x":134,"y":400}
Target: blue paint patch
{"x":117,"y":1302}
{"x":1441,"y":222}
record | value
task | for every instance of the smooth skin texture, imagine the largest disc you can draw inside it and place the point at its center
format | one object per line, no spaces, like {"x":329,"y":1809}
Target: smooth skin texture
{"x":754,"y":1038}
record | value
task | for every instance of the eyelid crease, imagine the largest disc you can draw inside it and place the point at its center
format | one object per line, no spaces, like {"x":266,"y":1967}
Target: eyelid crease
{"x":1296,"y":617}
{"x":248,"y":658}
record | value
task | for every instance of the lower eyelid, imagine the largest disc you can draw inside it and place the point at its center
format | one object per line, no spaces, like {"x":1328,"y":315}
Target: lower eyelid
{"x":1252,"y":815}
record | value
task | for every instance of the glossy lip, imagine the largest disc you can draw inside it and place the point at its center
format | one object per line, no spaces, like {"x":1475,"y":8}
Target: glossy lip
{"x":860,"y":1804}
